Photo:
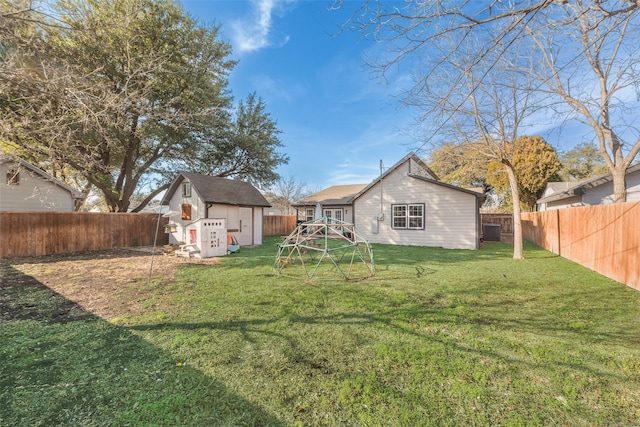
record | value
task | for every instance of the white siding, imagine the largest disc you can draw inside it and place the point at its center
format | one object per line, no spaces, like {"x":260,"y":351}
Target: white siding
{"x":175,"y":205}
{"x":416,"y":169}
{"x":231,"y":213}
{"x":450,"y":215}
{"x":633,"y":187}
{"x":603,"y":194}
{"x":561,"y":204}
{"x":257,"y":226}
{"x":33,"y":193}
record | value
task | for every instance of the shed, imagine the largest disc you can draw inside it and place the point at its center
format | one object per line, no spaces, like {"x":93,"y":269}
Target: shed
{"x":196,"y":200}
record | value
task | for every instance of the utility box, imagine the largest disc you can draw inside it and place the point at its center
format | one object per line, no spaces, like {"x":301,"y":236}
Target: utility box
{"x":491,"y":232}
{"x":213,"y":240}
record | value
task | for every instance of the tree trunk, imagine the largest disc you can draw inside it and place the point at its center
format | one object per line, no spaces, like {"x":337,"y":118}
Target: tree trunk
{"x":619,"y":175}
{"x":518,"y":252}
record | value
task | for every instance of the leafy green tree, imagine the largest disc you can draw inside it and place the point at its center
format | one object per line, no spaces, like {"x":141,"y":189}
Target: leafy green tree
{"x":461,"y":164}
{"x":123,"y":90}
{"x":582,"y":162}
{"x":535,"y":162}
{"x":248,"y":148}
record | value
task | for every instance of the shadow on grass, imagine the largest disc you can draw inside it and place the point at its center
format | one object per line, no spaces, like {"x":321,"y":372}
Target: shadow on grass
{"x":385,"y":255}
{"x":425,"y":323}
{"x":64,"y":366}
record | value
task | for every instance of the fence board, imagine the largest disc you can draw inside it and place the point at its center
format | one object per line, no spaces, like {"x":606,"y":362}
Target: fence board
{"x":603,"y":238}
{"x":279,"y":225}
{"x":48,"y":233}
{"x":505,"y":221}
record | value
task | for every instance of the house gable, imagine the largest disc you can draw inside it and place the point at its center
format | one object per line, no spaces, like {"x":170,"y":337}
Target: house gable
{"x":24,"y":187}
{"x":450,"y":214}
{"x":408,"y":165}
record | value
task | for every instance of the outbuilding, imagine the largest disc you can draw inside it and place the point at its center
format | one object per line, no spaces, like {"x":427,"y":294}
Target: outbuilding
{"x":206,"y":212}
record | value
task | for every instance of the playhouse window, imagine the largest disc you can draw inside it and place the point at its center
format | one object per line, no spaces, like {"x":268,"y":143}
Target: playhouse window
{"x":13,"y":177}
{"x":409,"y":216}
{"x":186,"y":212}
{"x":186,"y":189}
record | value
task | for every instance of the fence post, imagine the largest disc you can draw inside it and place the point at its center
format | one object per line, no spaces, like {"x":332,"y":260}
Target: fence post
{"x":558,"y":231}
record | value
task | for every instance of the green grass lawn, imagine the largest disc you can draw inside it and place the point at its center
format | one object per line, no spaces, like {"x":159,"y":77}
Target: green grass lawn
{"x":438,"y":337}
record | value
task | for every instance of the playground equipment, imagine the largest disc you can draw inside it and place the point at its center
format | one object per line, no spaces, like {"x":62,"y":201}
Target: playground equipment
{"x":320,"y":247}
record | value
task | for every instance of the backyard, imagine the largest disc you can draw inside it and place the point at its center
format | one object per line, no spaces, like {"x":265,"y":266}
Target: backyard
{"x":437,"y":337}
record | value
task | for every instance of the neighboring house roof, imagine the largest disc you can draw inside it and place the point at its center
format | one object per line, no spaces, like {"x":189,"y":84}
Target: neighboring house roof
{"x":555,"y":187}
{"x":563,"y":190}
{"x":214,"y":189}
{"x":76,"y":194}
{"x":331,"y":196}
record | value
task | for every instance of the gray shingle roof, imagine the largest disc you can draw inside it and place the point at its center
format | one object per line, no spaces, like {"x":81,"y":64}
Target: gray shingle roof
{"x":331,"y":196}
{"x":578,"y":188}
{"x":214,"y":189}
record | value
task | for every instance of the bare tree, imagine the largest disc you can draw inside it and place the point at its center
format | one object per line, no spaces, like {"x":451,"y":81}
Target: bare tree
{"x":589,"y":59}
{"x":446,"y":46}
{"x":286,"y":191}
{"x":488,"y":119}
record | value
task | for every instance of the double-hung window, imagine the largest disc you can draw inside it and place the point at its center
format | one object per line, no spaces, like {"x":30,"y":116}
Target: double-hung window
{"x":309,"y":214}
{"x":186,"y":189}
{"x":408,"y":216}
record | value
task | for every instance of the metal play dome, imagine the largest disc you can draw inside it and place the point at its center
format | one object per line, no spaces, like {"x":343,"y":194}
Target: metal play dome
{"x":323,"y":247}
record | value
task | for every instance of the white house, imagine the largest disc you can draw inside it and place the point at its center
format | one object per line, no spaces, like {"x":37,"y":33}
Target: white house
{"x":24,"y":187}
{"x":592,"y":191}
{"x":204,"y":211}
{"x":406,"y":205}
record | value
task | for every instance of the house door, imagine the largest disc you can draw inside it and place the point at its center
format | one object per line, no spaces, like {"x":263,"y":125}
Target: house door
{"x":246,"y":227}
{"x":333,"y":213}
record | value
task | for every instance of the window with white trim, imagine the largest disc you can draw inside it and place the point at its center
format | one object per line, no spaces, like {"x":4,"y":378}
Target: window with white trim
{"x":407,"y":216}
{"x":309,"y":214}
{"x":186,"y":189}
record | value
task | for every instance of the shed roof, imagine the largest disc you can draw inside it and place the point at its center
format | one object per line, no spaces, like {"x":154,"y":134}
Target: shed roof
{"x":76,"y":194}
{"x":214,"y":189}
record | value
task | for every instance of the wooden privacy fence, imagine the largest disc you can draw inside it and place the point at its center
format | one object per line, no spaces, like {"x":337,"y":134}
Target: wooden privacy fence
{"x":504,"y":220}
{"x":48,"y":233}
{"x":279,"y":225}
{"x":603,"y":238}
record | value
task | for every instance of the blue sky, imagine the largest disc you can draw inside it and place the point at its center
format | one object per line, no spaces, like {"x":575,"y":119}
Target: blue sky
{"x":337,"y":120}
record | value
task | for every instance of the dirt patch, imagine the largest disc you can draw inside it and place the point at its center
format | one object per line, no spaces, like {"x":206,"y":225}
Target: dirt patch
{"x":107,"y":284}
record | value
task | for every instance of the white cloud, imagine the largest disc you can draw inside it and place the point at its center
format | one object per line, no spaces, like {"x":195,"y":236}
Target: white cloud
{"x":271,"y":89}
{"x":254,"y":32}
